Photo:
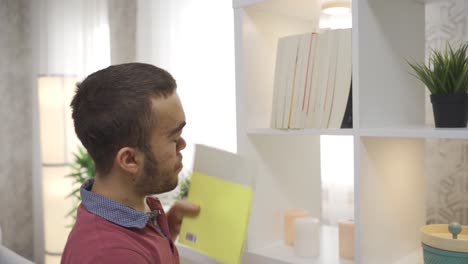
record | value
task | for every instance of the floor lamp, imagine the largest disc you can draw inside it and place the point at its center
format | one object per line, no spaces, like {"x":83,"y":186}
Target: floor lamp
{"x":58,"y":141}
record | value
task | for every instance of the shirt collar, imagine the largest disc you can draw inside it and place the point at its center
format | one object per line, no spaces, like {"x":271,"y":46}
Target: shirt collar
{"x":114,"y":211}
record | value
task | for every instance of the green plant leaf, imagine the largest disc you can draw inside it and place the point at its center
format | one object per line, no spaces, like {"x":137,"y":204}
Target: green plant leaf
{"x":73,"y":193}
{"x":72,"y":211}
{"x":82,"y":170}
{"x":446,"y":71}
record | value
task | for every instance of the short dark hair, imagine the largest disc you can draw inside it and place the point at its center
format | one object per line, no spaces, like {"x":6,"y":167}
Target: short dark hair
{"x":112,"y":109}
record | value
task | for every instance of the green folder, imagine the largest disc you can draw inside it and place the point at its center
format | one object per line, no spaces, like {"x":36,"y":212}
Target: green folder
{"x":219,"y":231}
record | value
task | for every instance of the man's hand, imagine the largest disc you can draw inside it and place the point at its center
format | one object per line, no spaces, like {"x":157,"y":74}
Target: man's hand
{"x":177,"y":212}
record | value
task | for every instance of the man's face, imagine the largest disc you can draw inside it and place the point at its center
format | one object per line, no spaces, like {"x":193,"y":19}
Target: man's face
{"x":163,"y":161}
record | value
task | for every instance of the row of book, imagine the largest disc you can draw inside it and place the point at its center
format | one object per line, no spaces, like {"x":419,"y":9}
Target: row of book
{"x":312,"y":82}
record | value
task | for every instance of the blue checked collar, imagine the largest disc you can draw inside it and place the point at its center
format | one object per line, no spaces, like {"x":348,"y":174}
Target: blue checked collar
{"x":111,"y":210}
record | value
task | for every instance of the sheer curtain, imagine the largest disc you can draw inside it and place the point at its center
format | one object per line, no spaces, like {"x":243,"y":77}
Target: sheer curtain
{"x":194,"y":41}
{"x":74,"y":37}
{"x":73,"y":41}
{"x":337,"y":166}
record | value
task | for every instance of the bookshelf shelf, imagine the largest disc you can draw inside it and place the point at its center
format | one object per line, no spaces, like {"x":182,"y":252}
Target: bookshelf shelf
{"x":416,"y":132}
{"x":312,"y":132}
{"x":285,"y":254}
{"x":189,"y":256}
{"x":429,"y":1}
{"x":415,"y":257}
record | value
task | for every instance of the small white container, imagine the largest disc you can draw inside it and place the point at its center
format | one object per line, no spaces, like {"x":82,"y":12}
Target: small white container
{"x":307,"y":237}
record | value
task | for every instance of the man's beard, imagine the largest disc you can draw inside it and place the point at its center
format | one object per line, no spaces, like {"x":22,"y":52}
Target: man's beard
{"x":154,"y":181}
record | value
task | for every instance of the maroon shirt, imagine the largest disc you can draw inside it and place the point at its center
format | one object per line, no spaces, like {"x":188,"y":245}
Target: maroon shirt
{"x":95,"y":239}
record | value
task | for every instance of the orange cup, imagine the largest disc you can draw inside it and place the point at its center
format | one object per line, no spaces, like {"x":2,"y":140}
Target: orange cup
{"x":289,"y":217}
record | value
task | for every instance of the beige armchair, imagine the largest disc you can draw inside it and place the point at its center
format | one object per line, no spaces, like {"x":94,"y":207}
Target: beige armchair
{"x":7,"y":256}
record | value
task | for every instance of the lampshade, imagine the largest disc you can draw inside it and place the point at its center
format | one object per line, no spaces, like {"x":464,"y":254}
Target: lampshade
{"x":336,"y":7}
{"x":74,"y":37}
{"x":73,"y":41}
{"x":335,"y":14}
{"x":58,"y":139}
{"x":56,"y":187}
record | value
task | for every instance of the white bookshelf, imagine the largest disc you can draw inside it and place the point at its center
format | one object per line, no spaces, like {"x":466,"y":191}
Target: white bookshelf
{"x":416,"y":132}
{"x":415,"y":257}
{"x":191,"y":256}
{"x":389,"y":132}
{"x":311,"y":132}
{"x":281,"y":252}
{"x":397,"y":132}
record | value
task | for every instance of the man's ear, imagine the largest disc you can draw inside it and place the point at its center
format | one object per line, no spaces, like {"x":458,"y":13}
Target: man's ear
{"x":129,"y":160}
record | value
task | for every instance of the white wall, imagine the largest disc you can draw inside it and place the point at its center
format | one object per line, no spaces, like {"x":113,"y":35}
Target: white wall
{"x":194,"y":41}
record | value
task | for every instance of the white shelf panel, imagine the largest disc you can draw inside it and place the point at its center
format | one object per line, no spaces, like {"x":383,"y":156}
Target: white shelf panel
{"x":416,"y":132}
{"x":301,"y":9}
{"x":403,"y":132}
{"x":244,"y":3}
{"x":415,"y":257}
{"x":282,"y":253}
{"x":312,"y":132}
{"x":189,"y":255}
{"x":430,"y":1}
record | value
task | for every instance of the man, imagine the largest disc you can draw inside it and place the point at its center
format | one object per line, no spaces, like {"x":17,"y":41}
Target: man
{"x":130,"y":120}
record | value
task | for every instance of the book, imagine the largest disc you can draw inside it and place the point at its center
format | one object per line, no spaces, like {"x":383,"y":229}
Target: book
{"x":329,"y":86}
{"x":308,"y":81}
{"x":322,"y":78}
{"x":279,"y":83}
{"x":347,"y":121}
{"x":283,"y":93}
{"x":342,"y":79}
{"x":300,"y":79}
{"x":311,"y":118}
{"x":312,"y":80}
{"x":290,"y":89}
{"x":221,"y":185}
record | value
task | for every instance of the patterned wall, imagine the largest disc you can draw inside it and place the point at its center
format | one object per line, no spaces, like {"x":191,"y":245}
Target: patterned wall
{"x":447,"y":159}
{"x":16,"y":136}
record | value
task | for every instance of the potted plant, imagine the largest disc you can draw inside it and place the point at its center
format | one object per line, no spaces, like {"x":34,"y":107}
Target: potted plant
{"x":184,"y":186}
{"x":82,"y":170}
{"x":446,"y":77}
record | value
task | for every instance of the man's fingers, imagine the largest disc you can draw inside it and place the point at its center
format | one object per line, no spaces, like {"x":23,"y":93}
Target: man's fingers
{"x":177,"y":212}
{"x":186,"y":208}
